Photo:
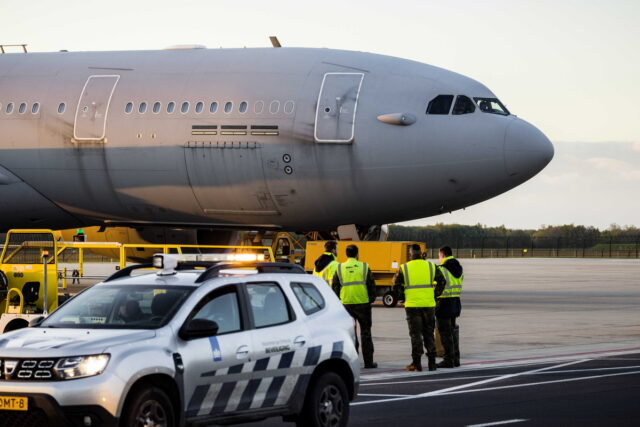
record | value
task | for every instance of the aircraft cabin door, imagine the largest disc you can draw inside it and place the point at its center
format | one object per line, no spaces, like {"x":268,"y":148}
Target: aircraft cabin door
{"x":91,"y":113}
{"x":336,"y":109}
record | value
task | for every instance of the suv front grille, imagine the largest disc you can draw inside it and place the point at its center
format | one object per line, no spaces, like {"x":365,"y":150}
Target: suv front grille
{"x":28,"y":369}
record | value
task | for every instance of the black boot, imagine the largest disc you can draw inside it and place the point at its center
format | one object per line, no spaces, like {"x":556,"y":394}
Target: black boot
{"x":445,"y":364}
{"x":456,"y":362}
{"x":432,"y":364}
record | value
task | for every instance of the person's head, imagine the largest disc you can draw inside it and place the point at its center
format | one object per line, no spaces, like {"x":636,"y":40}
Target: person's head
{"x":445,"y":252}
{"x":416,"y":251}
{"x":331,"y":246}
{"x":352,"y":251}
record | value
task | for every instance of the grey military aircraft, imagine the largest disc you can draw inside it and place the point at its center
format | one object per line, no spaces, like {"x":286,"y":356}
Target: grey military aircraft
{"x":291,"y":138}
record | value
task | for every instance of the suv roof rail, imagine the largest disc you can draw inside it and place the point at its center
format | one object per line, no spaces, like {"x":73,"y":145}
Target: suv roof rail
{"x":261,"y":267}
{"x":185,"y":265}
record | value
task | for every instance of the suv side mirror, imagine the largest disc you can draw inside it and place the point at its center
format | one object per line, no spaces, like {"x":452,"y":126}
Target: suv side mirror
{"x":198,"y":328}
{"x":36,"y":321}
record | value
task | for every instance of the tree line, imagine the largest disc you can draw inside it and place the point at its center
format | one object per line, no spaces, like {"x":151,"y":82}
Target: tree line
{"x":547,"y":236}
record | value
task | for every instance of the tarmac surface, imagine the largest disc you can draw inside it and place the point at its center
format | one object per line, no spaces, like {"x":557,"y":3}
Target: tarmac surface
{"x":543,"y":342}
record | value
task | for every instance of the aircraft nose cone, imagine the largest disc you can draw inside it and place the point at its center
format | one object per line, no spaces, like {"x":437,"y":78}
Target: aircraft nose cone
{"x":526,"y":150}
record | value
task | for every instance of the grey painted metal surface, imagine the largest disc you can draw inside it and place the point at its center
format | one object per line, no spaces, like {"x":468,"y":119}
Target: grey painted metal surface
{"x":135,"y":138}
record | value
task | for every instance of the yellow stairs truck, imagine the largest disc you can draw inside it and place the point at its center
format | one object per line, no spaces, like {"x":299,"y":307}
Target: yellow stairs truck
{"x":384,"y":259}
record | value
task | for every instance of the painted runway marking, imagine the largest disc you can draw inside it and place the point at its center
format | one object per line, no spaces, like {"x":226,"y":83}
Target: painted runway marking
{"x":568,"y":380}
{"x":497,"y":423}
{"x":429,"y":380}
{"x":383,"y":395}
{"x":572,"y":371}
{"x":473,"y":384}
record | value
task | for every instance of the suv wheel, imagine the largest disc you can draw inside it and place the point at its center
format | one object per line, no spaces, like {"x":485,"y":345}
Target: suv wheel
{"x":148,"y":407}
{"x":326,"y":403}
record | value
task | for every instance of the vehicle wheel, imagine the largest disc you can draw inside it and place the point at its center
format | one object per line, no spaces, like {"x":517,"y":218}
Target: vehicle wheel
{"x":389,"y":299}
{"x":4,"y":282}
{"x":326,"y":403}
{"x":148,"y":407}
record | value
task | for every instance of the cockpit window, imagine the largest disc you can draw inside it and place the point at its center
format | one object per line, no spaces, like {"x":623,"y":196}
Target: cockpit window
{"x":463,"y":105}
{"x":441,"y":104}
{"x":491,"y":105}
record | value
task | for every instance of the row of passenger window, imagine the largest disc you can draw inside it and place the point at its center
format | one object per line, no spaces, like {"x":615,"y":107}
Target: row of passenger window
{"x":441,"y":104}
{"x":22,"y":108}
{"x":258,"y":108}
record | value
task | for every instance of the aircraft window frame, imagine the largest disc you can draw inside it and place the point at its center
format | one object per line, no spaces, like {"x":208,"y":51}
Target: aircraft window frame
{"x":228,"y":107}
{"x":258,"y":107}
{"x":62,"y":107}
{"x":171,"y":107}
{"x":9,"y":108}
{"x":22,"y":108}
{"x":157,"y":107}
{"x":128,"y":109}
{"x":470,"y":103}
{"x":432,"y":104}
{"x":35,"y":108}
{"x":198,"y":107}
{"x":292,"y":109}
{"x":184,"y":107}
{"x":213,"y":107}
{"x":275,"y":110}
{"x":142,"y":108}
{"x":242,"y":108}
{"x":479,"y":99}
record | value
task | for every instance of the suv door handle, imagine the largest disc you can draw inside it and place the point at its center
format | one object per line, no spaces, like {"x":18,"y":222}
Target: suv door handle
{"x":242,"y":352}
{"x":299,"y":341}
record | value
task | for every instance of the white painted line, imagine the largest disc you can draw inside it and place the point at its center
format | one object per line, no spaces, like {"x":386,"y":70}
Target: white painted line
{"x":568,"y":380}
{"x":497,"y":423}
{"x":572,"y":371}
{"x":429,"y":380}
{"x":384,"y":395}
{"x":473,"y":384}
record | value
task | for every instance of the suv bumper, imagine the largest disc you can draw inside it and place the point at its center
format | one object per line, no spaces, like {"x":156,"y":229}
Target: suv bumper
{"x":45,"y":410}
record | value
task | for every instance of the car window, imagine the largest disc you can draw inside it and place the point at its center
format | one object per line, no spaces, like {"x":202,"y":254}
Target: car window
{"x":126,"y":306}
{"x":309,"y":297}
{"x":221,"y":306}
{"x":268,"y":304}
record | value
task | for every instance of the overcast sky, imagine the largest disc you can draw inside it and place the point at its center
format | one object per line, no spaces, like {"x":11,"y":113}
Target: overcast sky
{"x":572,"y":68}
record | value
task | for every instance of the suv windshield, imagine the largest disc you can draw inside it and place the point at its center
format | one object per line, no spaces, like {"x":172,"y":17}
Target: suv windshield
{"x":120,"y":307}
{"x":492,"y":106}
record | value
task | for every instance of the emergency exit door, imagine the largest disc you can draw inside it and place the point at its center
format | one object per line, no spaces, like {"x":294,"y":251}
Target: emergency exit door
{"x":336,"y":109}
{"x":91,"y":113}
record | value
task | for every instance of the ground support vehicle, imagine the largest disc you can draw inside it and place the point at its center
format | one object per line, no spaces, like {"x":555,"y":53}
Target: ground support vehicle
{"x":185,"y":346}
{"x":384,"y":259}
{"x":28,"y":253}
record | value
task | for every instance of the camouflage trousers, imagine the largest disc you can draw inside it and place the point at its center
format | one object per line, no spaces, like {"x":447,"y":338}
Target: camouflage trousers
{"x":362,"y":314}
{"x":422,"y":322}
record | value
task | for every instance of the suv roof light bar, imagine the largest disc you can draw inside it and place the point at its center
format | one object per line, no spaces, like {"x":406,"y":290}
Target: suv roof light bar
{"x":260,"y":267}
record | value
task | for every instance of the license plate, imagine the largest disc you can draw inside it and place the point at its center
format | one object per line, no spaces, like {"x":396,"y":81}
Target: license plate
{"x":14,"y":403}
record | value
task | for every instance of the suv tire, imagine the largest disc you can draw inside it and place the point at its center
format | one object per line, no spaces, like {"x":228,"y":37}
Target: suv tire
{"x":146,"y":406}
{"x":326,"y":403}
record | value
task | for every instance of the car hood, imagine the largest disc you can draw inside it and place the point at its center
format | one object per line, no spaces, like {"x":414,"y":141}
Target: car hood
{"x":49,"y":342}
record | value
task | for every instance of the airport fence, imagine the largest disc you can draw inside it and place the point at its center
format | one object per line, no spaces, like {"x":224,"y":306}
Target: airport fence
{"x":539,"y":247}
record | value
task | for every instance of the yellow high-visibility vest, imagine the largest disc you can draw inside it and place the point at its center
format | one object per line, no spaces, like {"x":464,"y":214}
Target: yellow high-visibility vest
{"x":353,"y":277}
{"x":320,"y":273}
{"x":453,"y":288}
{"x":418,"y":283}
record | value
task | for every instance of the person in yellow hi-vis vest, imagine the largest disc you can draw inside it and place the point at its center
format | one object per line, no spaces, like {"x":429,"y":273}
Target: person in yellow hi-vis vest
{"x":354,"y":284}
{"x":421,"y":282}
{"x":449,"y":308}
{"x":327,"y":263}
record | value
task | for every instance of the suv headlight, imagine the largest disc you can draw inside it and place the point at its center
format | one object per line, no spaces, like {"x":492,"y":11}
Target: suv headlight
{"x":69,"y":368}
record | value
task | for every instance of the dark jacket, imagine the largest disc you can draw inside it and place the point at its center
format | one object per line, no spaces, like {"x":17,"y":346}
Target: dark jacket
{"x":398,"y":282}
{"x":322,"y":261}
{"x":450,"y":307}
{"x":370,"y":282}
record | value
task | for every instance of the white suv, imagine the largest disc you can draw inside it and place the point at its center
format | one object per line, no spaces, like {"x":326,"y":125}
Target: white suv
{"x":185,"y":346}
